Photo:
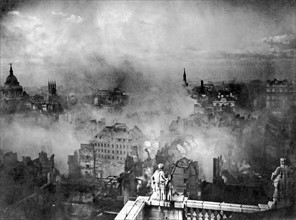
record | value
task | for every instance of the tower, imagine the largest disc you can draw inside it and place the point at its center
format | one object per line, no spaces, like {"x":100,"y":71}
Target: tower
{"x":52,"y":88}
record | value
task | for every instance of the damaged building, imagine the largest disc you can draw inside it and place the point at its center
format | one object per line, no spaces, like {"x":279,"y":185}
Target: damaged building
{"x":106,"y":152}
{"x":110,"y":99}
{"x":19,"y":179}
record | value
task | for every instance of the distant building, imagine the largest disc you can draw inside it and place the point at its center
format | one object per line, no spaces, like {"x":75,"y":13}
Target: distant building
{"x":12,"y":89}
{"x":280,"y":95}
{"x":111,"y":99}
{"x":53,"y":102}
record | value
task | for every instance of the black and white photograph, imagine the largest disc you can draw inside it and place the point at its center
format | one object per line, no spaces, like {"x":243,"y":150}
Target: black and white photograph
{"x":147,"y":109}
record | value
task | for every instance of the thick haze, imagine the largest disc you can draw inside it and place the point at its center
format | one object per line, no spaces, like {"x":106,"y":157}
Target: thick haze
{"x":86,"y":41}
{"x":140,"y":47}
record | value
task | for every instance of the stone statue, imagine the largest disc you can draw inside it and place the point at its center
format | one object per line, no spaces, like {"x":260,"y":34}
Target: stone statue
{"x":281,"y":181}
{"x":158,"y":183}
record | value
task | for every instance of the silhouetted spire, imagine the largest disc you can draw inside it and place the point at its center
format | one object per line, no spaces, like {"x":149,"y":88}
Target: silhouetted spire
{"x":184,"y":78}
{"x":11,"y":71}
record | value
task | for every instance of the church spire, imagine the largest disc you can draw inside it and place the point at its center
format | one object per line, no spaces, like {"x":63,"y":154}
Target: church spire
{"x":11,"y":71}
{"x":184,"y":78}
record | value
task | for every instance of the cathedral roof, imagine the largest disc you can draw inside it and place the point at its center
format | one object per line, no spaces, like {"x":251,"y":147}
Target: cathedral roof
{"x":11,"y":80}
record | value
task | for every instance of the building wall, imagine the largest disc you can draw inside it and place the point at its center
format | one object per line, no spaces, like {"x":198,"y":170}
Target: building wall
{"x":115,"y":150}
{"x":279,"y":94}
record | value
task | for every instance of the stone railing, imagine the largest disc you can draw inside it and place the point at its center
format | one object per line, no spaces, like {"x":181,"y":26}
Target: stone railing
{"x":148,"y":208}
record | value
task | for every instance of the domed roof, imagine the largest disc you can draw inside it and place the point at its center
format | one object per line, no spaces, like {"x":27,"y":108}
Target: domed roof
{"x":11,"y":80}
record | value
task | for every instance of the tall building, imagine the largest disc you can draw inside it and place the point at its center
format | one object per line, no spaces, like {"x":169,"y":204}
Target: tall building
{"x":12,"y":89}
{"x":115,"y":142}
{"x":279,"y":94}
{"x":106,"y":152}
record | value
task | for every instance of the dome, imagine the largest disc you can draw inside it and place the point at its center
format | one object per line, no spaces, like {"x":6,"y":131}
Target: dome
{"x":11,"y":80}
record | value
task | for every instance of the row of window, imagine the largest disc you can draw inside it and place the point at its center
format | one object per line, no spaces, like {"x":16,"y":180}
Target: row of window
{"x":277,"y":90}
{"x":111,"y":157}
{"x":112,"y":145}
{"x":113,"y":151}
{"x":277,"y":97}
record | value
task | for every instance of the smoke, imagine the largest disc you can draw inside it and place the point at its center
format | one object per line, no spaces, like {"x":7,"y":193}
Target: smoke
{"x":28,"y":136}
{"x":74,"y":42}
{"x":140,"y":48}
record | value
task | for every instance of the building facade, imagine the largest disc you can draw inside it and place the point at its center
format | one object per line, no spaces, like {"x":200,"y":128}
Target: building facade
{"x":280,"y":94}
{"x":106,"y":152}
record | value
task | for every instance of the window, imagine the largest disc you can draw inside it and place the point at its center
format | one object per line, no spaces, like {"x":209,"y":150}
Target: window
{"x":116,"y":145}
{"x":117,"y":157}
{"x":120,"y":146}
{"x":117,"y":151}
{"x":87,"y":157}
{"x":108,"y":151}
{"x":87,"y":165}
{"x":113,"y":152}
{"x":112,"y":145}
{"x":123,"y":146}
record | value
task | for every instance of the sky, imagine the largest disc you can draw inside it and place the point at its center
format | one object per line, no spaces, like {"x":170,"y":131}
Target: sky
{"x":96,"y":43}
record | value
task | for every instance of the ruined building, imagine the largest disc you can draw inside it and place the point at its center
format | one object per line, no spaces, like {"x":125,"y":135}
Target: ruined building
{"x":106,"y":152}
{"x":109,"y":99}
